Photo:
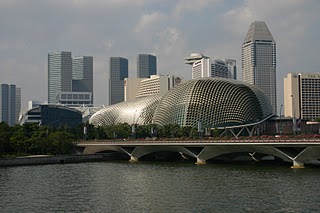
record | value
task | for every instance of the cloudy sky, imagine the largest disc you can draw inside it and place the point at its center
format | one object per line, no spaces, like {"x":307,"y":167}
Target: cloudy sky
{"x":170,"y":29}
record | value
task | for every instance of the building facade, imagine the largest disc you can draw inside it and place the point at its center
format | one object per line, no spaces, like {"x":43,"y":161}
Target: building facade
{"x":118,"y":71}
{"x":146,"y":65}
{"x":10,"y":103}
{"x":52,"y":115}
{"x":131,"y":86}
{"x":302,"y":95}
{"x":82,"y":75}
{"x":142,"y":87}
{"x":259,"y":60}
{"x":220,"y":69}
{"x":200,"y":65}
{"x":232,"y":68}
{"x":69,"y":75}
{"x":59,"y":74}
{"x":156,"y":84}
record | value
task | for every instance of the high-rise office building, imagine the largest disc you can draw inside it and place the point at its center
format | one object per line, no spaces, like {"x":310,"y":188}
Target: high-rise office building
{"x":232,"y":68}
{"x":302,"y":95}
{"x":259,"y":60}
{"x":146,"y":65}
{"x":118,"y":71}
{"x":219,"y":68}
{"x":18,"y":103}
{"x":59,"y":74}
{"x":82,"y":75}
{"x":70,"y":80}
{"x":10,"y":101}
{"x":200,"y":65}
{"x":224,"y":68}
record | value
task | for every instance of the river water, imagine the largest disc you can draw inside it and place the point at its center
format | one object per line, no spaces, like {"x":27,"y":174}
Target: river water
{"x":158,"y":187}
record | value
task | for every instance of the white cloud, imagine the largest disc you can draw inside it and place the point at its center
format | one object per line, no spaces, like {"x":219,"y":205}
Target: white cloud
{"x":192,"y":5}
{"x":166,"y":28}
{"x":149,"y":20}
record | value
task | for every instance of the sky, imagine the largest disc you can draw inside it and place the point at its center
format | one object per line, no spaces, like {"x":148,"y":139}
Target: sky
{"x":169,"y":29}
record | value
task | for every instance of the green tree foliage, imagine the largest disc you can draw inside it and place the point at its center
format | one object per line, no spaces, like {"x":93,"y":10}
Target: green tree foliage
{"x":5,"y":134}
{"x":32,"y":139}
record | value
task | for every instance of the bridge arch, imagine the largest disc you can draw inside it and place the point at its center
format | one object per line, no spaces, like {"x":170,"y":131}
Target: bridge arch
{"x":212,"y":152}
{"x":141,"y":151}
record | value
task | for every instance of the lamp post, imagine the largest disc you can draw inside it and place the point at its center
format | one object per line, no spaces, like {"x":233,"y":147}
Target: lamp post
{"x":133,"y":127}
{"x":294,"y":127}
{"x":280,"y":120}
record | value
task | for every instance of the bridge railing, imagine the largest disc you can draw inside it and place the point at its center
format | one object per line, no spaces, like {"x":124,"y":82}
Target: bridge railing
{"x":195,"y":141}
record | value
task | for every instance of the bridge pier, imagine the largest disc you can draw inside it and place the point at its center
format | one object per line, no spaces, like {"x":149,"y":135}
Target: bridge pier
{"x":200,"y":161}
{"x":133,"y":159}
{"x":297,"y":165}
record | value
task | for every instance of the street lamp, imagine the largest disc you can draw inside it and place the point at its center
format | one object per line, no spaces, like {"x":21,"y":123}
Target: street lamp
{"x":294,"y":127}
{"x":133,"y":127}
{"x":280,"y":120}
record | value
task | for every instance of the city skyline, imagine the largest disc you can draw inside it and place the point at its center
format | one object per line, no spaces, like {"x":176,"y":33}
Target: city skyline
{"x":168,"y":30}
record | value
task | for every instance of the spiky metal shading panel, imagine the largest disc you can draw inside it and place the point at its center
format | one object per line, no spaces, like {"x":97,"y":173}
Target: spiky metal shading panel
{"x":214,"y":102}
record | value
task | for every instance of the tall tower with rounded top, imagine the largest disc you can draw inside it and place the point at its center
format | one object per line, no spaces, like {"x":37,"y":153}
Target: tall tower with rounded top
{"x":259,"y":60}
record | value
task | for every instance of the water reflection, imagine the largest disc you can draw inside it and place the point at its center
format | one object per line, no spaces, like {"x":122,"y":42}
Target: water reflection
{"x":158,"y":187}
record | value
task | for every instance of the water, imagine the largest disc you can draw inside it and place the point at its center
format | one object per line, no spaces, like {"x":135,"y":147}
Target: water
{"x":158,"y":187}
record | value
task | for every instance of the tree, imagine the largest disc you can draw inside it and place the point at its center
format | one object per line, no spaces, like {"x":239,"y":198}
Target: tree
{"x":5,"y":134}
{"x":19,"y":140}
{"x":60,"y":143}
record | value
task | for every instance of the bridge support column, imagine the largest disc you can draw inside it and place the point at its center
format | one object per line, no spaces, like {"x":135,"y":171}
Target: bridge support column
{"x":133,"y":159}
{"x":200,"y":161}
{"x":297,"y":165}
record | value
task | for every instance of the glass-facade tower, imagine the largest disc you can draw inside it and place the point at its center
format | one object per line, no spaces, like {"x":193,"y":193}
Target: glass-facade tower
{"x":118,"y":71}
{"x":10,"y":103}
{"x":59,"y":74}
{"x":82,"y":74}
{"x":146,"y":65}
{"x":70,"y":79}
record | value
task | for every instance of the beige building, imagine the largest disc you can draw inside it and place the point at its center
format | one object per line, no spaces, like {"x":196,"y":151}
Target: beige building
{"x":142,"y":87}
{"x":131,"y":86}
{"x":302,"y":95}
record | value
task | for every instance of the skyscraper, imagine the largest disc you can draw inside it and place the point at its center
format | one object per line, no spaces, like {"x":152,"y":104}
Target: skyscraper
{"x":59,"y":74}
{"x":302,"y":95}
{"x":82,"y":74}
{"x":146,"y":65}
{"x":259,"y":60}
{"x":232,"y":68}
{"x":224,"y":68}
{"x":10,"y":101}
{"x":200,"y":65}
{"x":118,"y":71}
{"x":70,"y":80}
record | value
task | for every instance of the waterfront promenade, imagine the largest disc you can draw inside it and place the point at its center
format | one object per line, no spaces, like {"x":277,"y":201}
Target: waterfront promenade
{"x":298,"y":151}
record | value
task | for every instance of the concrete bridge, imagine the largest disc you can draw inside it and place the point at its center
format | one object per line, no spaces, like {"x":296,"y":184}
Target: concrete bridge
{"x":297,"y":151}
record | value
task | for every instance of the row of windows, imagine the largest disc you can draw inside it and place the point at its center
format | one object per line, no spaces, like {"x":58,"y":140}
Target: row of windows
{"x":75,"y":96}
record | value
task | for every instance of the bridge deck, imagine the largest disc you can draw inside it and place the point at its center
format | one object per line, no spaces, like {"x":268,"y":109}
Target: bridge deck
{"x":312,"y":141}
